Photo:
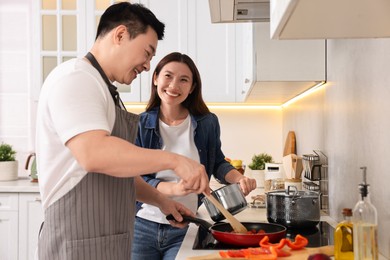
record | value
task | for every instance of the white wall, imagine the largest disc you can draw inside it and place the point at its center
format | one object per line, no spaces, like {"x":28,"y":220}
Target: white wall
{"x":15,"y":67}
{"x":248,"y":132}
{"x":245,"y":132}
{"x":349,"y":120}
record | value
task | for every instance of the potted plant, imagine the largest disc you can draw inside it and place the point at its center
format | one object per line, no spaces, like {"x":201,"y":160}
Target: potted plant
{"x":8,"y":164}
{"x":257,"y":167}
{"x":259,"y":160}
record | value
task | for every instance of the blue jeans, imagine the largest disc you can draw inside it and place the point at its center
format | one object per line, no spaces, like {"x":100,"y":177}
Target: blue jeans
{"x":156,"y":241}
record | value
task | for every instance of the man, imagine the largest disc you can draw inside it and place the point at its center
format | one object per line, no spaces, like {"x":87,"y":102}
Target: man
{"x":89,"y":170}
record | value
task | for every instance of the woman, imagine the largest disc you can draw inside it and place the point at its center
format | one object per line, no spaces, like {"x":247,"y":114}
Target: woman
{"x":178,"y":120}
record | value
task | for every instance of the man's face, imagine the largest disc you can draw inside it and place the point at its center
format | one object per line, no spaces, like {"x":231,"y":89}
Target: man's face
{"x":134,"y":55}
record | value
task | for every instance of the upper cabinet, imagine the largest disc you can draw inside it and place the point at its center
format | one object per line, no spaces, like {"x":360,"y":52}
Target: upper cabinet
{"x":173,"y":13}
{"x":329,"y":19}
{"x":238,"y":62}
{"x":188,"y":30}
{"x":213,"y":49}
{"x":282,"y":69}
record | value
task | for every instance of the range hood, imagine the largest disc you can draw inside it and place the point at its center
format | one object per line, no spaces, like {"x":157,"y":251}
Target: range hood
{"x":330,"y":19}
{"x":229,"y":11}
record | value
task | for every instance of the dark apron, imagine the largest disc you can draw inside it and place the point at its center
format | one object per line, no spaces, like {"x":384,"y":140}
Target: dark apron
{"x":94,"y":220}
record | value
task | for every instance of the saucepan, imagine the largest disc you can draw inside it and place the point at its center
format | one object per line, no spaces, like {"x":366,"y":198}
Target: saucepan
{"x":232,"y":199}
{"x":293,"y":208}
{"x":223,"y":232}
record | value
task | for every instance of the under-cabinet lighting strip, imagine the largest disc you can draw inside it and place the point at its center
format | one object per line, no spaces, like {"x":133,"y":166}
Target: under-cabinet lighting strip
{"x":304,"y":94}
{"x":243,"y":106}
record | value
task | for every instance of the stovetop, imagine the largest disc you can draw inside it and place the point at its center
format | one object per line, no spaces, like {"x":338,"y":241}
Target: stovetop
{"x":321,"y":235}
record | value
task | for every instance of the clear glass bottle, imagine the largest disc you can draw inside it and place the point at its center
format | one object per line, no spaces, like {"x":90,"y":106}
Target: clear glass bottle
{"x":343,"y":237}
{"x":365,"y":223}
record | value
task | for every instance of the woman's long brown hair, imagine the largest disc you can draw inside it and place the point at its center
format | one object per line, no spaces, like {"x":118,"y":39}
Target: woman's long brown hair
{"x":194,"y":102}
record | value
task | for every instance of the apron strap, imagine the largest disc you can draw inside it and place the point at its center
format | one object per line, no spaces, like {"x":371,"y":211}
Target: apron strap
{"x":113,"y":90}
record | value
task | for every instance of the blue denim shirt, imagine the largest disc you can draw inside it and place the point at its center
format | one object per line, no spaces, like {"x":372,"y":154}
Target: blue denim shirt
{"x":206,"y":138}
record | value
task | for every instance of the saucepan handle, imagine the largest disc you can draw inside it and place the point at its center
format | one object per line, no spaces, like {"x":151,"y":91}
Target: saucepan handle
{"x":199,"y":221}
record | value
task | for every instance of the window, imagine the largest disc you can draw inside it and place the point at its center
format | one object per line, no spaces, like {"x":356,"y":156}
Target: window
{"x":65,"y":29}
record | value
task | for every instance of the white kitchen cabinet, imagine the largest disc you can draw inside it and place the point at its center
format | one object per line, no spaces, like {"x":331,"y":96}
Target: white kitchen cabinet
{"x":30,"y":220}
{"x":213,"y":48}
{"x":246,"y":64}
{"x":21,"y":216}
{"x":8,"y":226}
{"x":307,"y":19}
{"x":288,"y":60}
{"x":188,"y":29}
{"x":283,"y":69}
{"x":174,"y":14}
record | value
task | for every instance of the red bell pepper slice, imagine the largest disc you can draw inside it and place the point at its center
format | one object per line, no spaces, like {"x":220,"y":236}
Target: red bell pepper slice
{"x":264,"y":243}
{"x":271,"y":256}
{"x":299,"y":242}
{"x":256,"y":251}
{"x":282,"y":253}
{"x":235,"y":253}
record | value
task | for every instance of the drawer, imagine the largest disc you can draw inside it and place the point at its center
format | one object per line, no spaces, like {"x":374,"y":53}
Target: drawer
{"x":9,"y":201}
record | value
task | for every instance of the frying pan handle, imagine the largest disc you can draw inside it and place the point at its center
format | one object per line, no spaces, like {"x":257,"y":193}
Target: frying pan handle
{"x":199,"y":221}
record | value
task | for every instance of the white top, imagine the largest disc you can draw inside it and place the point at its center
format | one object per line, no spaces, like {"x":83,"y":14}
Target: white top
{"x":178,"y":139}
{"x":74,"y":99}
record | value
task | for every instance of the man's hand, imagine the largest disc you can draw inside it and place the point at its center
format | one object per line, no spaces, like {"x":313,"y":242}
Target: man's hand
{"x":193,"y":174}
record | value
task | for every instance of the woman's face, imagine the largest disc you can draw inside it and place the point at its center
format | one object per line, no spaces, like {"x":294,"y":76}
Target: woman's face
{"x":174,"y":83}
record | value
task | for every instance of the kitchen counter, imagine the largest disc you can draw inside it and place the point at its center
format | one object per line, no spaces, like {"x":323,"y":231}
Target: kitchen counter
{"x":247,"y":215}
{"x":22,"y":184}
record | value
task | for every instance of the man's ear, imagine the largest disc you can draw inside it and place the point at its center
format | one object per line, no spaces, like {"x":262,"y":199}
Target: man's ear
{"x":119,"y":33}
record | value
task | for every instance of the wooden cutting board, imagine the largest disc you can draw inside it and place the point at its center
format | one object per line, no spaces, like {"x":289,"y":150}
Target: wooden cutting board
{"x":295,"y":254}
{"x":290,"y":145}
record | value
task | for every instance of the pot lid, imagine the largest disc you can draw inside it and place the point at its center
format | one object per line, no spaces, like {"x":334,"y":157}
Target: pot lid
{"x":291,"y":192}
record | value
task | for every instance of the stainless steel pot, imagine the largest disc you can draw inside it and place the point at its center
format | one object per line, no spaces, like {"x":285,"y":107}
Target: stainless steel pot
{"x":293,"y":208}
{"x":231,"y":197}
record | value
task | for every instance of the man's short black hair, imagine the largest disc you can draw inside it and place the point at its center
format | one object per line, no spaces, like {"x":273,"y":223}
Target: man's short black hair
{"x":135,"y":17}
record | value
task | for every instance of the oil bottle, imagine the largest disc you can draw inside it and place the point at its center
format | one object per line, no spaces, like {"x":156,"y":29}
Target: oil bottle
{"x":343,"y":237}
{"x":365,"y":223}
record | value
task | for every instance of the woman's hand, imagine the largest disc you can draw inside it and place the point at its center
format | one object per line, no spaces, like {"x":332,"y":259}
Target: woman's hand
{"x":247,"y":184}
{"x":177,"y":210}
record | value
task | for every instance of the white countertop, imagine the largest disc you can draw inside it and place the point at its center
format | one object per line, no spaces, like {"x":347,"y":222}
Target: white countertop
{"x":247,"y":215}
{"x":19,"y":185}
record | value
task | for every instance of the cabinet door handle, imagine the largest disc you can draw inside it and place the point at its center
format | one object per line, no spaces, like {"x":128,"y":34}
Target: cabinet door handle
{"x":38,"y":199}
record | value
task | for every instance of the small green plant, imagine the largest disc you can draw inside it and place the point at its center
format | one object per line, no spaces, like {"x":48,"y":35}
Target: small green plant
{"x":6,"y":153}
{"x":259,"y":160}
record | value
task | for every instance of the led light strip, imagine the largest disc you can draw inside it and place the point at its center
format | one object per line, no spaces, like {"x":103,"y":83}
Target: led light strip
{"x":304,"y":94}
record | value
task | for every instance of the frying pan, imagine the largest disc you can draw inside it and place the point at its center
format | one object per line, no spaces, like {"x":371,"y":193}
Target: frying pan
{"x":222,"y":232}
